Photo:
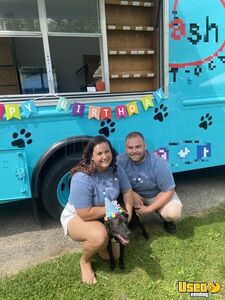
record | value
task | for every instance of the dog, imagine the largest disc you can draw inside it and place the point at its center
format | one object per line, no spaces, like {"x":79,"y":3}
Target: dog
{"x":118,"y":229}
{"x":118,"y":232}
{"x":137,"y":223}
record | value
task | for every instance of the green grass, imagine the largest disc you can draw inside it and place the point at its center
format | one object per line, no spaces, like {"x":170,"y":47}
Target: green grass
{"x":153,"y":268}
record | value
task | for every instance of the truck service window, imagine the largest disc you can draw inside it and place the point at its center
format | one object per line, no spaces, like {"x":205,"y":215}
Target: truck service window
{"x":69,"y":46}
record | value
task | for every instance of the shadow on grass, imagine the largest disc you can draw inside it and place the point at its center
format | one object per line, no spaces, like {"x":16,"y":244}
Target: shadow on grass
{"x":186,"y":227}
{"x":138,"y":254}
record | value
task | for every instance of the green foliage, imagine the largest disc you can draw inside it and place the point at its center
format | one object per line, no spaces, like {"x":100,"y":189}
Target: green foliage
{"x":153,"y":268}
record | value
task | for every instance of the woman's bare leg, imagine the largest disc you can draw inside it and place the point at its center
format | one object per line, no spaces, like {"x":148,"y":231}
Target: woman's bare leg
{"x":94,"y":236}
{"x":115,"y":250}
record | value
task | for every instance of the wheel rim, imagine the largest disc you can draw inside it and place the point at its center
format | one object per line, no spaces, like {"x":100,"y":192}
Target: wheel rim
{"x":63,"y":189}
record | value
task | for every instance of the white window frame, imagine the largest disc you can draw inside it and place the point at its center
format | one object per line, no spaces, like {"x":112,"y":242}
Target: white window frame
{"x":44,"y":34}
{"x":102,"y":36}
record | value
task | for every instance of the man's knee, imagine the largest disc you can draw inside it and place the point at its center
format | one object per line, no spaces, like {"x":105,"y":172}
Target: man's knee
{"x":172,"y":213}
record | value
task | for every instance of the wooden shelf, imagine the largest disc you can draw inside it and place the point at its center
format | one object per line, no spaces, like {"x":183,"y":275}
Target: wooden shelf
{"x":2,"y":85}
{"x":133,"y":74}
{"x":129,"y":3}
{"x":8,"y":74}
{"x":132,"y":43}
{"x":129,"y":28}
{"x":121,"y":51}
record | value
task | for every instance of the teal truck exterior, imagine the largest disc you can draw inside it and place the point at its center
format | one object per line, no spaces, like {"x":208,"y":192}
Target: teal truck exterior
{"x":187,"y":127}
{"x":197,"y":91}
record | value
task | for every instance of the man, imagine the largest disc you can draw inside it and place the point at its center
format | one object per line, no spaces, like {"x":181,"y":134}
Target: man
{"x":151,"y":180}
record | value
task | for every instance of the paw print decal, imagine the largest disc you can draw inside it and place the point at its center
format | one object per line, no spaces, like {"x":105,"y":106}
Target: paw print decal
{"x":107,"y":127}
{"x":21,"y":139}
{"x":160,"y":113}
{"x":206,"y":121}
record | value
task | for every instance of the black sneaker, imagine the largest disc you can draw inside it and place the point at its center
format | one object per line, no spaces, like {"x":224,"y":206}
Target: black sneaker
{"x":170,"y":227}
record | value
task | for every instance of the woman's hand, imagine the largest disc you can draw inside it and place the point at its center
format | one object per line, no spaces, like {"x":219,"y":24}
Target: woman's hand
{"x":128,"y":201}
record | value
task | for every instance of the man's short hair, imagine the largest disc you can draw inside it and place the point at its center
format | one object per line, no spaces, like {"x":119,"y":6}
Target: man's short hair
{"x":134,"y":134}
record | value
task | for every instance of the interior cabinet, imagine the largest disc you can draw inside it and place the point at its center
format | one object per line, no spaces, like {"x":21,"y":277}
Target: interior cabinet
{"x":8,"y":73}
{"x":132,"y":45}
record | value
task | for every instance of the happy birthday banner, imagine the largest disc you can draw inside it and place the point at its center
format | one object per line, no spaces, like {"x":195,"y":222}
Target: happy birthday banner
{"x":100,"y":113}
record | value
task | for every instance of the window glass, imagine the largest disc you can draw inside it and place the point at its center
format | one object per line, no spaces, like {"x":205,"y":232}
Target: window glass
{"x":30,"y":65}
{"x":73,"y":16}
{"x":75,"y":63}
{"x":17,"y":15}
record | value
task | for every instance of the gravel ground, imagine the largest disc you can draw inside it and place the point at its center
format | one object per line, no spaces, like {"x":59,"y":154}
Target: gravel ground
{"x":24,"y":243}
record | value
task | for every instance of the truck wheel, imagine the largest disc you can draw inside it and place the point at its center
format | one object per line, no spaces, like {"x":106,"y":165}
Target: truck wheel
{"x":56,"y":185}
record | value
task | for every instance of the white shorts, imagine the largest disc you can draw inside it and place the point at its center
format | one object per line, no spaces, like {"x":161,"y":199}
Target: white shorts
{"x":68,"y":213}
{"x":175,"y":199}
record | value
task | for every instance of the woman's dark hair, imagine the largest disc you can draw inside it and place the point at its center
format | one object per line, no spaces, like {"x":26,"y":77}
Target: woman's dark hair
{"x":86,"y":165}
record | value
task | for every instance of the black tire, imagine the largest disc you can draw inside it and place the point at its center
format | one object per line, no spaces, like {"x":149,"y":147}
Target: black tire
{"x":53,"y":185}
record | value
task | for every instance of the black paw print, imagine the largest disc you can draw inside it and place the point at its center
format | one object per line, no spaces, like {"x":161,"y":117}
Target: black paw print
{"x":206,"y":121}
{"x":21,"y":138}
{"x":160,"y":113}
{"x":107,"y":127}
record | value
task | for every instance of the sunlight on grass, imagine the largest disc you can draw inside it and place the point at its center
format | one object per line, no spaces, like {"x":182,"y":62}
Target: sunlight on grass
{"x":153,"y":268}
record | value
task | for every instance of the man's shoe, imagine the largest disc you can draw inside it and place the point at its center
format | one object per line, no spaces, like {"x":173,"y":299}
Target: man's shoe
{"x":170,"y":227}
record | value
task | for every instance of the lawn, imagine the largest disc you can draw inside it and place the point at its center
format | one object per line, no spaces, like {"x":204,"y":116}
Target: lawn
{"x":153,"y":267}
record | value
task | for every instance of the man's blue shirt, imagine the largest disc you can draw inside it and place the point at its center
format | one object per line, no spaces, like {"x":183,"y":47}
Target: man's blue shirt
{"x":148,"y":177}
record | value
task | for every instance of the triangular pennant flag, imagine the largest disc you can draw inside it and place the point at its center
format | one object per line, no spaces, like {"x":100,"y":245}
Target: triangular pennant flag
{"x":159,"y":95}
{"x":132,"y":108}
{"x":63,"y":104}
{"x":121,"y":111}
{"x":147,"y":102}
{"x":94,"y":112}
{"x":78,"y":109}
{"x":29,"y":108}
{"x":12,"y":111}
{"x":2,"y":111}
{"x":106,"y":113}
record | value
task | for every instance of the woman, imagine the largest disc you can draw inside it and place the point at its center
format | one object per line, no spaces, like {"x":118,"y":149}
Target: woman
{"x":95,"y":177}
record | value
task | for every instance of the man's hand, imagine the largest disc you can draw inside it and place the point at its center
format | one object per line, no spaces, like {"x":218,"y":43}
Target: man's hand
{"x":142,"y":209}
{"x":138,"y":200}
